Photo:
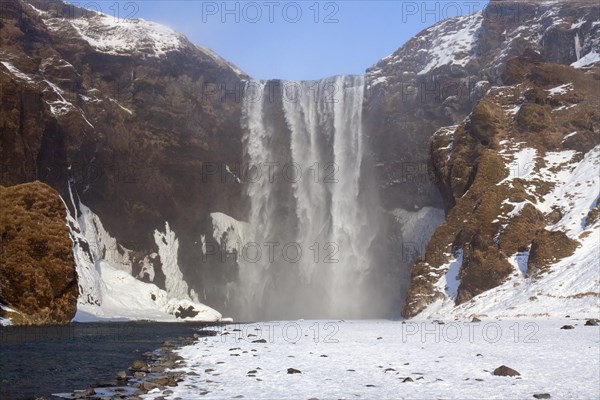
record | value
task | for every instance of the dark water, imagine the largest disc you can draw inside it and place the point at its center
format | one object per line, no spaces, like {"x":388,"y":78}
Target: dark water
{"x":39,"y":361}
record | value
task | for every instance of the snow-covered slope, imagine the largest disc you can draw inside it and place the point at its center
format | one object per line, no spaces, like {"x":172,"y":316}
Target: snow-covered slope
{"x":108,"y":291}
{"x":483,"y":41}
{"x":127,"y":36}
{"x":118,"y":36}
{"x":572,"y":286}
{"x":524,"y":175}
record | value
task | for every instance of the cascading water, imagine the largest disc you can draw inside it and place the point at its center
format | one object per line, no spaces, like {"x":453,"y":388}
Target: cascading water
{"x":310,"y":217}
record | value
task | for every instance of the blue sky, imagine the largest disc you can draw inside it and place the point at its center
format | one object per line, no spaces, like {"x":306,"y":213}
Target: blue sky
{"x":298,"y":40}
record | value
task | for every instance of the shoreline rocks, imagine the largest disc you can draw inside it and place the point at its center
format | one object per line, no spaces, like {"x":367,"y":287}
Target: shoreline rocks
{"x":150,"y":373}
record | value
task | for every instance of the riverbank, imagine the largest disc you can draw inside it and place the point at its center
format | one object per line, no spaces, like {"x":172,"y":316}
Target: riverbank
{"x":38,"y":361}
{"x":154,"y":372}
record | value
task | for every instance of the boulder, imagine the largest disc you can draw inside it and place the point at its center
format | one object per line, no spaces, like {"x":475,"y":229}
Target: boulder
{"x":503,"y":370}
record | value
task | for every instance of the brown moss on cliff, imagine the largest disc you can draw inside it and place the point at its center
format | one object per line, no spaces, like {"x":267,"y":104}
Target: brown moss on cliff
{"x":518,"y":235}
{"x":470,"y":163}
{"x":548,"y":248}
{"x":38,"y":278}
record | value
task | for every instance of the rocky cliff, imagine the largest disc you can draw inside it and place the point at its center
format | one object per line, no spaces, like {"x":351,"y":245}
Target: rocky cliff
{"x":38,"y":281}
{"x":522,"y":174}
{"x":142,"y":133}
{"x":130,"y":114}
{"x":451,"y":75}
{"x":438,"y":77}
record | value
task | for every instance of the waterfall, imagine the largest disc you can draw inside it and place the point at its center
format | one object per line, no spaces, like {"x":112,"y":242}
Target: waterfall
{"x":305,"y":141}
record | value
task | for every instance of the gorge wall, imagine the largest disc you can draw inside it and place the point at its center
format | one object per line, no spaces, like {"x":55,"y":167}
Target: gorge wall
{"x":152,"y":142}
{"x":127,"y":115}
{"x":438,"y":79}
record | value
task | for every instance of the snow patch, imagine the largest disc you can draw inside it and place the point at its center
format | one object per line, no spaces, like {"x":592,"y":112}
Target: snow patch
{"x":588,"y":60}
{"x":229,"y":232}
{"x":109,"y":35}
{"x":16,"y":72}
{"x":60,"y":106}
{"x":6,"y":321}
{"x":450,"y":281}
{"x":127,"y":110}
{"x":522,"y":165}
{"x":454,"y":47}
{"x":168,"y":247}
{"x":562,"y":89}
{"x":107,"y":291}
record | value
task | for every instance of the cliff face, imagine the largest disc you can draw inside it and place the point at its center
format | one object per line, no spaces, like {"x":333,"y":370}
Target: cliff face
{"x":437,"y":79}
{"x":522,"y":175}
{"x":38,"y":281}
{"x":130,"y":112}
{"x":130,"y":119}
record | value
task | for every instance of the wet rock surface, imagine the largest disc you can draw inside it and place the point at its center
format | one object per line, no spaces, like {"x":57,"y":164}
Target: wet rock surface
{"x":150,"y":374}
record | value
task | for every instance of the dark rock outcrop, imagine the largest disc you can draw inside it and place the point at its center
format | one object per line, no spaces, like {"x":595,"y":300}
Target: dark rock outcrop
{"x":143,"y":133}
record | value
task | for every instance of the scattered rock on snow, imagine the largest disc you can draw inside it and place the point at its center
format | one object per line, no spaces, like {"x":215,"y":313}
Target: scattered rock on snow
{"x":542,"y":395}
{"x":503,"y":370}
{"x":567,"y":327}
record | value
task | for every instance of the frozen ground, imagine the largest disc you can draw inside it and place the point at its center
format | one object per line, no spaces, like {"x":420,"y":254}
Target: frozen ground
{"x":371,"y":359}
